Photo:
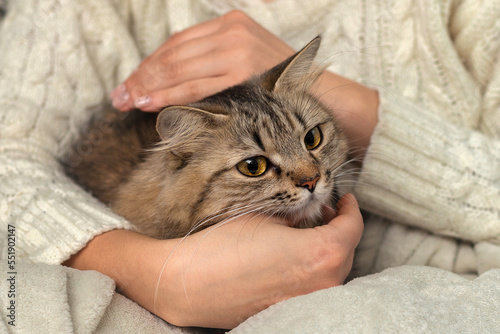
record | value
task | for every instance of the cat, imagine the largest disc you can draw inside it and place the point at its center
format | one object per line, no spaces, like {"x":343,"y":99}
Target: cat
{"x":265,"y":145}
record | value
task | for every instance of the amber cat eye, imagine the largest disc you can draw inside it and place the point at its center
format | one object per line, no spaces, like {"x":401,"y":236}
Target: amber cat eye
{"x":313,"y":138}
{"x":254,"y":166}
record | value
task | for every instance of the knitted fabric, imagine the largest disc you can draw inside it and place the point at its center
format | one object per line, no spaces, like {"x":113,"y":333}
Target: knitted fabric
{"x":434,"y":161}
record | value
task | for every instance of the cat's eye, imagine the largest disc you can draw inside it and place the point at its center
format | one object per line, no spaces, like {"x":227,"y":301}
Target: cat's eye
{"x":313,"y":138}
{"x":254,"y":166}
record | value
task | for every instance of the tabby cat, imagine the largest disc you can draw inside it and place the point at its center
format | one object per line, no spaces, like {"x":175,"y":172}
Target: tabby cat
{"x":266,"y":145}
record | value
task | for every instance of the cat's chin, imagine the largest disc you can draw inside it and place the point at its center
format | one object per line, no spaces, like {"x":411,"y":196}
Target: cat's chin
{"x":308,"y":212}
{"x":306,"y":215}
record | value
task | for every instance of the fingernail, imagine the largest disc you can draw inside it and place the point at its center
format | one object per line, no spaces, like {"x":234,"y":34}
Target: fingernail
{"x":142,"y":101}
{"x":121,"y":99}
{"x":118,"y":89}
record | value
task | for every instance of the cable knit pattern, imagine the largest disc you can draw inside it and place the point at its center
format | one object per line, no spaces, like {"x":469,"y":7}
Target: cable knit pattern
{"x":51,"y":83}
{"x":433,"y":165}
{"x":446,"y":174}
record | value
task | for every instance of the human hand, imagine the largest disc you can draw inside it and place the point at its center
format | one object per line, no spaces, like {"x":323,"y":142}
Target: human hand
{"x":199,"y":62}
{"x":222,"y":275}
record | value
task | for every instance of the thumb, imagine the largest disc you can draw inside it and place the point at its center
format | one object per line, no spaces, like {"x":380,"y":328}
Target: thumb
{"x":349,"y":221}
{"x":347,"y":205}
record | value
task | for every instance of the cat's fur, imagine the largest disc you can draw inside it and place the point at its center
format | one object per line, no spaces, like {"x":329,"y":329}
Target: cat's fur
{"x":183,"y":175}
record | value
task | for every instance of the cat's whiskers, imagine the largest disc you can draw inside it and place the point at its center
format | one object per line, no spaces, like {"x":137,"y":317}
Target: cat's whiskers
{"x":341,"y":163}
{"x":217,"y":215}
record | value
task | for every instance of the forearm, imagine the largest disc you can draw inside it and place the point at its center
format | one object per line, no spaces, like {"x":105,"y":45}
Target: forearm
{"x":354,"y":105}
{"x":425,"y":171}
{"x":55,"y":217}
{"x":41,"y":113}
{"x":196,"y":275}
{"x":184,"y":293}
{"x":129,"y":258}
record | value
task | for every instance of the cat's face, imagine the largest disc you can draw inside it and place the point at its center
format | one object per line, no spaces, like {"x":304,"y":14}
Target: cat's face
{"x":263,"y":146}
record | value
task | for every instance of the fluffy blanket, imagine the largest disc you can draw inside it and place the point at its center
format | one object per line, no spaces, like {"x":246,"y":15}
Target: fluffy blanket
{"x":407,"y":299}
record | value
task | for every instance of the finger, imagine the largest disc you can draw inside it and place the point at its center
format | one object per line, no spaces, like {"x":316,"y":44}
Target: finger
{"x":194,"y":48}
{"x":121,"y":100}
{"x":194,"y":59}
{"x":182,"y":94}
{"x":349,"y":221}
{"x":347,"y":204}
{"x":144,"y":90}
{"x":203,"y":67}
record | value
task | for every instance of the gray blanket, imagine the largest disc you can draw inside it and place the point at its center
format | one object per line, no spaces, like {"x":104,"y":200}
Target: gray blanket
{"x":407,"y":299}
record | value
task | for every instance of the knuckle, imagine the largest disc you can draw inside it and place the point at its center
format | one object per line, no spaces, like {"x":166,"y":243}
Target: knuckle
{"x":238,"y":31}
{"x":236,"y":15}
{"x":143,"y":81}
{"x":175,"y":71}
{"x":175,"y":38}
{"x":134,"y":87}
{"x":146,"y":69}
{"x":136,"y":91}
{"x":167,"y":56}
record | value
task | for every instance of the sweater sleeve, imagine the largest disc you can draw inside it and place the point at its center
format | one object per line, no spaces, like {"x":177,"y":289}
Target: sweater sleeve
{"x":59,"y":58}
{"x":423,"y":171}
{"x":426,"y":169}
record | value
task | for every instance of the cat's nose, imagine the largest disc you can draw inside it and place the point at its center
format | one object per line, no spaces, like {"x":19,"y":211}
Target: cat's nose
{"x":309,"y":183}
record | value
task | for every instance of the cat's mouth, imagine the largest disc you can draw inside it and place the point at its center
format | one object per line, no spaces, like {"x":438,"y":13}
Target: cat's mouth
{"x":308,"y":212}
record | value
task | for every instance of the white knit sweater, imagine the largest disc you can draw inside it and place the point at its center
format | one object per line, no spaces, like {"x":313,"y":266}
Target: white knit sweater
{"x":433,"y":165}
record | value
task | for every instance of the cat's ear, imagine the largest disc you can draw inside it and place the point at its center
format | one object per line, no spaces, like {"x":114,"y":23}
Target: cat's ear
{"x":294,"y":71}
{"x":181,"y":127}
